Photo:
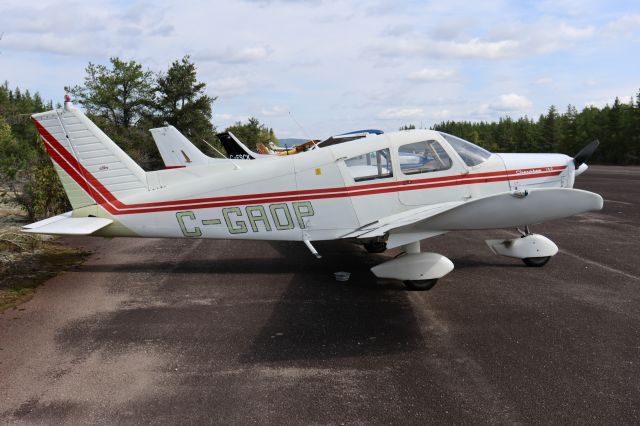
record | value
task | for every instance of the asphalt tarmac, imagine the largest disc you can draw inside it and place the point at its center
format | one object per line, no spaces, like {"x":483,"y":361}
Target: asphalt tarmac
{"x":219,"y":332}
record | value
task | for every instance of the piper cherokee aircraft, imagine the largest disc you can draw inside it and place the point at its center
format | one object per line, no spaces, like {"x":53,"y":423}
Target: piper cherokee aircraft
{"x":360,"y":190}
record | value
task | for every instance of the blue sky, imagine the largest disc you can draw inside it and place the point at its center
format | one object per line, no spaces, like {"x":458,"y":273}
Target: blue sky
{"x":336,"y":66}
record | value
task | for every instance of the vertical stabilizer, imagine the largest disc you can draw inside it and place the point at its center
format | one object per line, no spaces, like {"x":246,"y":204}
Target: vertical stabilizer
{"x":176,"y":150}
{"x":236,"y":149}
{"x":93,"y":169}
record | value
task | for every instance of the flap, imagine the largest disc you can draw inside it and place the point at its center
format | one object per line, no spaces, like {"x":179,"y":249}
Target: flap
{"x":382,"y":226}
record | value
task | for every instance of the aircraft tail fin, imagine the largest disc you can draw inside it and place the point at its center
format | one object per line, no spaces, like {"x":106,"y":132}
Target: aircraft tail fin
{"x":235,"y":149}
{"x":92,"y":168}
{"x":176,"y":150}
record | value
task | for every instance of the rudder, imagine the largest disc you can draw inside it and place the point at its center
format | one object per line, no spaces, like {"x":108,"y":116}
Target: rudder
{"x":92,"y":168}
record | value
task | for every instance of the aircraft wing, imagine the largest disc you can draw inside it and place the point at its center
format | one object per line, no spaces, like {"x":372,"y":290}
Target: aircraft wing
{"x":508,"y":209}
{"x":64,"y":224}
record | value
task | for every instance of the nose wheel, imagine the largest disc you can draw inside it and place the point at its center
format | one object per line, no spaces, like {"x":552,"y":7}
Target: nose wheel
{"x":420,"y":285}
{"x":535,"y":250}
{"x":536,"y":261}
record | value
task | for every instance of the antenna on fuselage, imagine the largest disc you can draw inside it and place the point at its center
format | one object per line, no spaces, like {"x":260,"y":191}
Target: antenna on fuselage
{"x":223,"y":156}
{"x":315,"y":145}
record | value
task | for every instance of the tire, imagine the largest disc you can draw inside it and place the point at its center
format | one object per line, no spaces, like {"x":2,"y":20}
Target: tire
{"x":376,"y":246}
{"x":420,"y":285}
{"x":536,"y":262}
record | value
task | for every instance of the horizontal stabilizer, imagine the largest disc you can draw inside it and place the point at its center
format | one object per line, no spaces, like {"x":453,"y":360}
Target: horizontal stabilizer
{"x":64,"y":224}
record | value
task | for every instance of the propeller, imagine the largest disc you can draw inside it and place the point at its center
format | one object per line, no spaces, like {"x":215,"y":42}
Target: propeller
{"x":585,"y":153}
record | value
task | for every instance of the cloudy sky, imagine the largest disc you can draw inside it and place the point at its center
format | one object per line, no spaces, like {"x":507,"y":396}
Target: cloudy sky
{"x":320,"y":67}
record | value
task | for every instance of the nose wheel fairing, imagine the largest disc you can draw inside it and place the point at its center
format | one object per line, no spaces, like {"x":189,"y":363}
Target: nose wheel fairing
{"x":528,"y":246}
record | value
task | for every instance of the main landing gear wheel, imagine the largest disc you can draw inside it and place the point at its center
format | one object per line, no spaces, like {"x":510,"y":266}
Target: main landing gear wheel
{"x":536,"y":261}
{"x":420,"y":285}
{"x":376,"y":246}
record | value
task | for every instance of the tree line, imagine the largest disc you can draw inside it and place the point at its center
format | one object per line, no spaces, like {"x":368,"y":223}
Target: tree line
{"x":616,"y":126}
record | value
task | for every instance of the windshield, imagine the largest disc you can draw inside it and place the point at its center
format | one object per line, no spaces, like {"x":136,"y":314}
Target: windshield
{"x":471,"y":154}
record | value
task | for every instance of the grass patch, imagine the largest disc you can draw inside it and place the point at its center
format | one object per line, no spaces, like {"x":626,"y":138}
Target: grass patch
{"x":22,"y":270}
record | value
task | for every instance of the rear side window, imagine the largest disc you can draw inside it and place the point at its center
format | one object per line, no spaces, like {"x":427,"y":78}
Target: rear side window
{"x":372,"y":165}
{"x":423,"y":157}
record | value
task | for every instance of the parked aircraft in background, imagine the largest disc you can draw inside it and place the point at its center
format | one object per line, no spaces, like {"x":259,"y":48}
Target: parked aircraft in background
{"x":392,"y":190}
{"x":177,"y":151}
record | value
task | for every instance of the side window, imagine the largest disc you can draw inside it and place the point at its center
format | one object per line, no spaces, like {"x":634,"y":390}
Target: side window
{"x":372,"y":165}
{"x":423,"y":157}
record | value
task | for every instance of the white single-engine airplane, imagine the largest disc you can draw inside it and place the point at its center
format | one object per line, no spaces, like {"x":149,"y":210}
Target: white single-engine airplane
{"x":385,"y":191}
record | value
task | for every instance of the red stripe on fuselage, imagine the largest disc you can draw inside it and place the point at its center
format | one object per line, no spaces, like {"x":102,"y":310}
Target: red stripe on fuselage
{"x":101,"y":194}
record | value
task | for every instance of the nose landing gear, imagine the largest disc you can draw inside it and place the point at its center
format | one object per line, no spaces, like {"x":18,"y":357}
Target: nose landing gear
{"x":534,"y":250}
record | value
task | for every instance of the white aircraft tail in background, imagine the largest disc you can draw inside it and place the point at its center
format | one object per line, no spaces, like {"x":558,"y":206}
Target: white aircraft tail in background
{"x":393,"y":190}
{"x":176,"y":150}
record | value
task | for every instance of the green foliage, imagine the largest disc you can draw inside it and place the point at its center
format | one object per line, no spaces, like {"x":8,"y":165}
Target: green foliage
{"x":125,"y":101}
{"x":39,"y":192}
{"x":27,"y":177}
{"x":617,"y":127}
{"x":252,"y":133}
{"x":121,"y":95}
{"x":120,"y":100}
{"x":182,"y":102}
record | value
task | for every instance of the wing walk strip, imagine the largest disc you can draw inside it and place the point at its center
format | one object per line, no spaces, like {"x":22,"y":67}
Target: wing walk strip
{"x":106,"y":199}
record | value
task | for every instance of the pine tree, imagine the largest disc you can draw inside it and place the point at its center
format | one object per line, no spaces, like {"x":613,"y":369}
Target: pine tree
{"x":183,"y":103}
{"x":121,"y":95}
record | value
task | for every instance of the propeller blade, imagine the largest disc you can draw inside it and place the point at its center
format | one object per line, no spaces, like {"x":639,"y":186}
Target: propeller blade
{"x":585,"y":153}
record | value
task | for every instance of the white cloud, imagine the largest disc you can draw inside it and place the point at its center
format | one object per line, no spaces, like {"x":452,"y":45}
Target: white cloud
{"x":625,"y":25}
{"x":230,"y":86}
{"x":235,"y":56}
{"x":476,"y":48}
{"x":274,"y":111}
{"x":511,"y":102}
{"x":509,"y":40}
{"x":250,"y":54}
{"x":431,"y":74}
{"x":80,"y":28}
{"x":401,"y":113}
{"x":224,"y":120}
{"x":543,"y":81}
{"x":473,"y":48}
{"x":224,"y":117}
{"x":548,"y":37}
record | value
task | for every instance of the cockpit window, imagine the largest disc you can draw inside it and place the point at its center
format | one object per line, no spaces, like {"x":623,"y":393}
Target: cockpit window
{"x":471,"y":154}
{"x":423,"y":157}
